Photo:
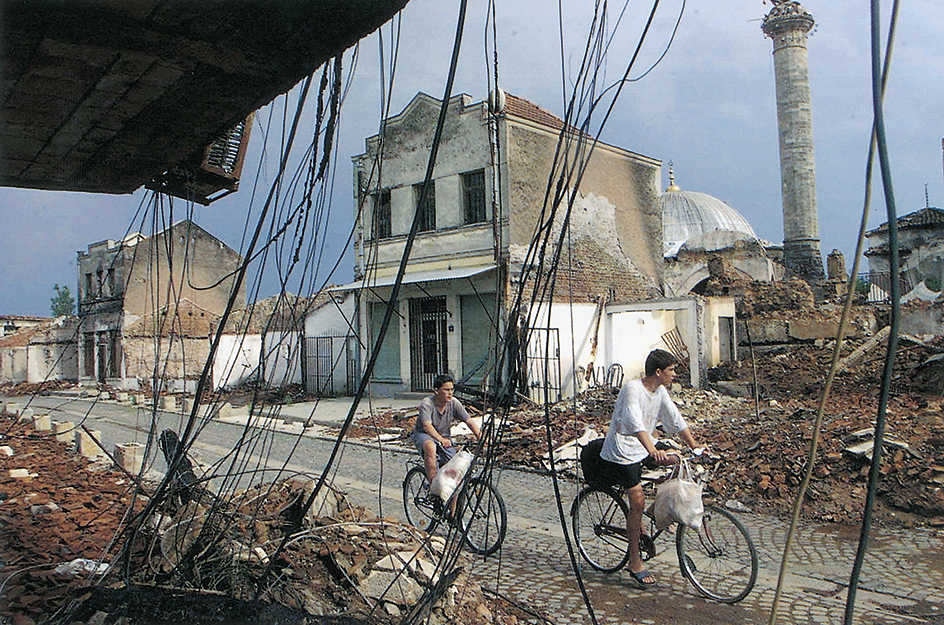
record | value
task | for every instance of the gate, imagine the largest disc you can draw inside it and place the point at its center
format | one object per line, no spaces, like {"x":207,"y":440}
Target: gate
{"x":324,"y":374}
{"x":428,"y":346}
{"x":544,"y":367}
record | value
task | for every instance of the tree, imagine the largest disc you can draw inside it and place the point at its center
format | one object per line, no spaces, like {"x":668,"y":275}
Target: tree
{"x":62,"y":303}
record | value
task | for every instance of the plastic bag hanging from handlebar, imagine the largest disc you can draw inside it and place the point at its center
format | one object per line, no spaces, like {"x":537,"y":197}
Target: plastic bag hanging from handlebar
{"x":678,"y":500}
{"x":450,"y":474}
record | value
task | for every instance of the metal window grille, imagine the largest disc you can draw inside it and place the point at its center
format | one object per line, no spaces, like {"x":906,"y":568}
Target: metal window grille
{"x":876,"y":286}
{"x":473,"y":188}
{"x":428,"y":209}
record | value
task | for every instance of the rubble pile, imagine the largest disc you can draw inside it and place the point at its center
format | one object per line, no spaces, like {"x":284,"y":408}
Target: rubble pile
{"x":765,"y":443}
{"x":55,"y":511}
{"x":199,"y":557}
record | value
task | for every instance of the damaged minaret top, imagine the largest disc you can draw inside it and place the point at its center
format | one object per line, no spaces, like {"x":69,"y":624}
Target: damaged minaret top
{"x":787,"y":25}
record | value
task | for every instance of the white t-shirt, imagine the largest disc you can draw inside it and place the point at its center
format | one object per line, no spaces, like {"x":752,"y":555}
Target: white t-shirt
{"x":638,"y":410}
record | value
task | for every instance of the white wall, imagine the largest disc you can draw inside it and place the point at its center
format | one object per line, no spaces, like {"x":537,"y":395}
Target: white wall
{"x":281,"y":358}
{"x":236,"y":360}
{"x":13,"y":364}
{"x":52,"y":361}
{"x":333,"y":319}
{"x":575,"y":324}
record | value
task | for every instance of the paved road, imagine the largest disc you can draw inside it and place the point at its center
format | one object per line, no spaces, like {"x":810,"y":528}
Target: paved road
{"x":902,"y":580}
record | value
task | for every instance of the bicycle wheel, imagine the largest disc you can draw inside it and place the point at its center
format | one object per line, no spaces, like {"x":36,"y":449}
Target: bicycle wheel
{"x":599,"y":523}
{"x":416,"y":502}
{"x":483,"y":517}
{"x":719,"y":558}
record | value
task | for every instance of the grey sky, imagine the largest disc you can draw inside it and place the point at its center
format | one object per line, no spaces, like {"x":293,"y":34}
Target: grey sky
{"x":708,"y":106}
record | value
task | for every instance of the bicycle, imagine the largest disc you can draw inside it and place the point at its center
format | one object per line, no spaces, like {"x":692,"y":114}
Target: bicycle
{"x":480,"y":511}
{"x":718,"y":558}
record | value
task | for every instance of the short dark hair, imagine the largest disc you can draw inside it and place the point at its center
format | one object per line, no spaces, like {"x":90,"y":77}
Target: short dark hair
{"x":441,"y":379}
{"x":659,"y":359}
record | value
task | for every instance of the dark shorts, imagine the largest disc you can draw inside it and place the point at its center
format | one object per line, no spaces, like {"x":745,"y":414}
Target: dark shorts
{"x":598,"y":471}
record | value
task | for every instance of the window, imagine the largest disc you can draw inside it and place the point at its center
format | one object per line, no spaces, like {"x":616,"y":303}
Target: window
{"x":473,"y":196}
{"x":112,"y":287}
{"x":383,"y":227}
{"x":89,"y":287}
{"x":428,"y":210}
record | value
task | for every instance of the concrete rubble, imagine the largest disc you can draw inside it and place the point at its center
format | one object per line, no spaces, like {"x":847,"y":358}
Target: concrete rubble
{"x":61,"y":517}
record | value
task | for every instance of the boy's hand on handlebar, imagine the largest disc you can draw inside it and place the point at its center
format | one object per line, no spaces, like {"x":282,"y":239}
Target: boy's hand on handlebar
{"x":446,"y":442}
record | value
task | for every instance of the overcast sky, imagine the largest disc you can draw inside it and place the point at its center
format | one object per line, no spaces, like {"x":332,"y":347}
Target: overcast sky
{"x":709,"y":107}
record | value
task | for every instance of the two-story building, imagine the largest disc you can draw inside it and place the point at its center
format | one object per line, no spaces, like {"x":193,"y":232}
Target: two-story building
{"x":485,"y":207}
{"x":147,"y":305}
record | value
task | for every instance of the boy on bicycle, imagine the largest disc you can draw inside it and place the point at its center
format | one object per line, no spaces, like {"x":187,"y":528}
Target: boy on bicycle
{"x":640,"y":406}
{"x":434,"y":422}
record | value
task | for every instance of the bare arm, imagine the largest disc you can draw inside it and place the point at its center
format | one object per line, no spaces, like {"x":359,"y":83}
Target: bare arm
{"x":435,"y":435}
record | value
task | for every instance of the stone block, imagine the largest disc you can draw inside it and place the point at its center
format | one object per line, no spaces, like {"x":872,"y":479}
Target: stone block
{"x":134,"y":399}
{"x":14,"y":409}
{"x":21,"y":474}
{"x":104,"y":396}
{"x":226,"y":409}
{"x":26,"y":415}
{"x":6,"y":450}
{"x":169,"y":403}
{"x":86,"y":445}
{"x":42,"y":423}
{"x":130,"y":456}
{"x":186,"y":405}
{"x":64,"y":431}
{"x":811,"y":329}
{"x":122,"y":397}
{"x":767,"y":331}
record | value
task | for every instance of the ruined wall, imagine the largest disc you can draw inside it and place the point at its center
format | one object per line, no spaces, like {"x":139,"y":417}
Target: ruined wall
{"x":189,"y":257}
{"x":616,"y":225}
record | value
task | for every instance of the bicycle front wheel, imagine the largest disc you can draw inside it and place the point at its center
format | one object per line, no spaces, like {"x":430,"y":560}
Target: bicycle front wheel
{"x":599,"y":524}
{"x":484,"y":520}
{"x":718,"y":558}
{"x":416,"y":500}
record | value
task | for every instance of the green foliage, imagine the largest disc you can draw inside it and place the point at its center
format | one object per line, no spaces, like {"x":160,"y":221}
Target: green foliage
{"x":63,"y":303}
{"x":862,"y":287}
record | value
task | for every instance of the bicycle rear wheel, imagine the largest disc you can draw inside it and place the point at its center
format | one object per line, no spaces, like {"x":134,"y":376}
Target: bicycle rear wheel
{"x":718,"y":558}
{"x":416,"y":500}
{"x":483,"y":515}
{"x":599,"y":524}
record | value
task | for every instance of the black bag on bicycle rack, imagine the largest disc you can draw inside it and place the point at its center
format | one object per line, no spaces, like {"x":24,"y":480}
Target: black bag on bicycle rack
{"x":590,"y":463}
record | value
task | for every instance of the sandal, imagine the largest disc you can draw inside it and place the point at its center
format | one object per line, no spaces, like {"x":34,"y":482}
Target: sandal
{"x":641,"y":577}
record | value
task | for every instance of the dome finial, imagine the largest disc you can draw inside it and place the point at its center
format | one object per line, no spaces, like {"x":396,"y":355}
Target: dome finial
{"x":671,"y":186}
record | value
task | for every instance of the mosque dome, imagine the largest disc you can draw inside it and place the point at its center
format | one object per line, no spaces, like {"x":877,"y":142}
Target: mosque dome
{"x":689,"y":216}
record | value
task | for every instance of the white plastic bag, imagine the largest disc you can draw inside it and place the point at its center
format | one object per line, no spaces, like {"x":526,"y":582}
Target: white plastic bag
{"x":678,"y":500}
{"x":450,"y":474}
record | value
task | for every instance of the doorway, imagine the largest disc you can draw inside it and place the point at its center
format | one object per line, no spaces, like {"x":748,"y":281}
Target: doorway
{"x":428,"y":343}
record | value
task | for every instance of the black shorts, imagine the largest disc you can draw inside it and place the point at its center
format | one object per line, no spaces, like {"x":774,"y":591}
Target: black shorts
{"x":598,"y":471}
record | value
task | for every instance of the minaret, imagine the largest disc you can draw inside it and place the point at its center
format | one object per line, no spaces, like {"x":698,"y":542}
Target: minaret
{"x":787,"y":25}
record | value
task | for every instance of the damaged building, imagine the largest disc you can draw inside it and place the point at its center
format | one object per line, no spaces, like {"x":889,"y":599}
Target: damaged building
{"x":699,"y":229}
{"x":474,"y":248}
{"x":147,"y":305}
{"x":920,"y":251}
